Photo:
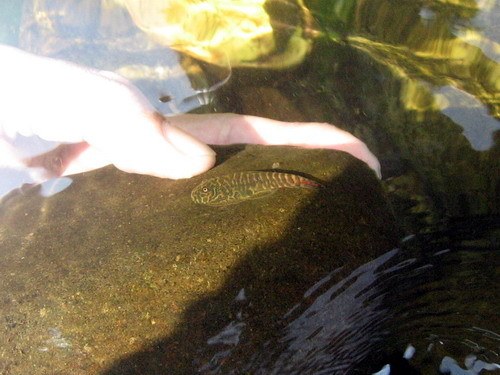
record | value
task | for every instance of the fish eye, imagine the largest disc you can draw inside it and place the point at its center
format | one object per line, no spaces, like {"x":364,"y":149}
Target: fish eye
{"x":204,"y":189}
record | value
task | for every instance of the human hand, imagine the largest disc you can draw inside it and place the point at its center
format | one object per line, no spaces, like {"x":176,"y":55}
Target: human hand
{"x":95,"y":118}
{"x":230,"y":128}
{"x":104,"y":117}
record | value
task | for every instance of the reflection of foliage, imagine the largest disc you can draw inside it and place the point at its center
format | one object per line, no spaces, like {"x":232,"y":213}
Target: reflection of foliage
{"x":387,"y":78}
{"x":425,"y":47}
{"x":411,"y":23}
{"x":455,"y":8}
{"x":334,"y":18}
{"x":434,"y":42}
{"x":470,"y":71}
{"x":251,"y":33}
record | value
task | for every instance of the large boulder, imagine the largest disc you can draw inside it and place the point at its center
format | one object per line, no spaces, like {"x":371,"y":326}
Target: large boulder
{"x":123,"y":271}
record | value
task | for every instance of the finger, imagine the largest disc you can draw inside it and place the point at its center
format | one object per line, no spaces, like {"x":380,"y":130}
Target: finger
{"x":230,"y":128}
{"x":150,"y":145}
{"x":179,"y":155}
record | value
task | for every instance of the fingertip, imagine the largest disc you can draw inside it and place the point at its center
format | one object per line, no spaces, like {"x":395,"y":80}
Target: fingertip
{"x":187,"y":167}
{"x":172,"y":166}
{"x":164,"y":161}
{"x":185,"y":143}
{"x":192,"y":156}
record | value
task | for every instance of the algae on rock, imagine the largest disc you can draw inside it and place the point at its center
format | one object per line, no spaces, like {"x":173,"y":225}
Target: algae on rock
{"x":122,"y":270}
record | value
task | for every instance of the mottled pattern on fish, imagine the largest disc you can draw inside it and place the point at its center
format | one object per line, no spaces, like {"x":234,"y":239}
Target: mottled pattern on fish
{"x":241,"y":186}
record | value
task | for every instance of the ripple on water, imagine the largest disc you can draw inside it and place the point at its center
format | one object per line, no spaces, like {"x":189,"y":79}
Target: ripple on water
{"x":405,"y":310}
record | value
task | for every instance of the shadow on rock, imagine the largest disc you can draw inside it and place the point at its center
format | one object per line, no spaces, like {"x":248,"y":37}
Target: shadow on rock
{"x":327,"y":233}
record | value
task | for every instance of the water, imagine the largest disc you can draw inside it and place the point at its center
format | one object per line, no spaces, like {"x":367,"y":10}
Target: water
{"x":419,"y":83}
{"x":411,"y":297}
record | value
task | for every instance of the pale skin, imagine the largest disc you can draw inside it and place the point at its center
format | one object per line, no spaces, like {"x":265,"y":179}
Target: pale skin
{"x":103,"y":119}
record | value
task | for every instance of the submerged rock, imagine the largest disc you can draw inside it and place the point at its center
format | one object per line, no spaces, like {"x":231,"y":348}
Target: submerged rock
{"x":120,"y":272}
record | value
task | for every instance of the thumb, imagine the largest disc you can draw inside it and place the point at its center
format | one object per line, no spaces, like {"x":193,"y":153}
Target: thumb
{"x":160,"y":149}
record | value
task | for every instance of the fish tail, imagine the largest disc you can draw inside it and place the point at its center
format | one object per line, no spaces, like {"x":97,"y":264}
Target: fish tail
{"x":307,"y":183}
{"x":293,"y":180}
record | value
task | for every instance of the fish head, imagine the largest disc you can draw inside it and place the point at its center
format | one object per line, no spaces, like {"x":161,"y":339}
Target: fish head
{"x":208,"y":192}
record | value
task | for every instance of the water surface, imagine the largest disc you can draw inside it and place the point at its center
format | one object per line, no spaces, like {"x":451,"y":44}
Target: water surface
{"x":419,"y":82}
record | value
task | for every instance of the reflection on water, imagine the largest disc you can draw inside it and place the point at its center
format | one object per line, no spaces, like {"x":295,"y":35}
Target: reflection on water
{"x":236,"y":33}
{"x":420,"y":93}
{"x":105,"y":37}
{"x":449,"y":45}
{"x":420,"y":83}
{"x":412,"y":297}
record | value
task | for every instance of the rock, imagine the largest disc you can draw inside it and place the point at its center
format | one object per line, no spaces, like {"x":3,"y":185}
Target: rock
{"x":123,"y":271}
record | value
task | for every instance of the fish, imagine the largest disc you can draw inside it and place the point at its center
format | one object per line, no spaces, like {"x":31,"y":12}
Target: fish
{"x":242,"y":186}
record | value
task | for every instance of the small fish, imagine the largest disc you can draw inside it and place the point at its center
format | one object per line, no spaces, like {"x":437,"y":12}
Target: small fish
{"x":241,"y":186}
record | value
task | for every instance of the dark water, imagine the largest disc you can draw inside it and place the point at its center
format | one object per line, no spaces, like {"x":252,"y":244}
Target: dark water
{"x":435,"y":295}
{"x":419,"y":83}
